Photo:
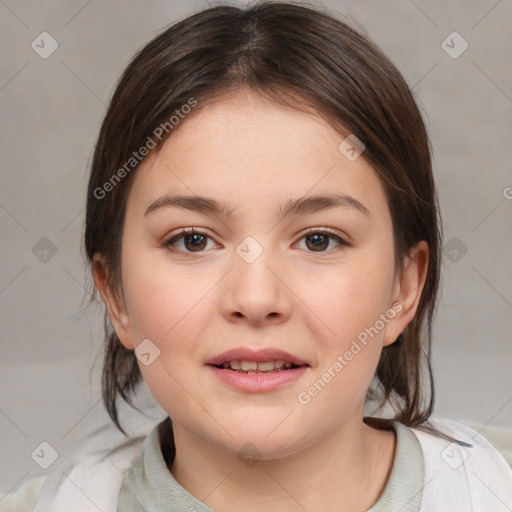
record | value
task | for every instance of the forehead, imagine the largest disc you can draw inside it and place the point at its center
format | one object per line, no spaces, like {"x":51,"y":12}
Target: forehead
{"x":246,"y":123}
{"x":246,"y":148}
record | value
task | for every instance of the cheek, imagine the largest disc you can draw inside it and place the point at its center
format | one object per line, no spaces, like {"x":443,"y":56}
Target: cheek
{"x":349,"y":300}
{"x":156,"y":297}
{"x":165,"y":306}
{"x":170,"y":310}
{"x":348,"y":329}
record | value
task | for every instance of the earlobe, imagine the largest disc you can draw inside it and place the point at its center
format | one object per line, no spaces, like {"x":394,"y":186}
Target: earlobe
{"x":114,"y":305}
{"x":408,"y":289}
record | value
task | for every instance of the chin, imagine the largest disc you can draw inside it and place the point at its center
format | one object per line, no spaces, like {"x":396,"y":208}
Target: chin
{"x":257,"y":443}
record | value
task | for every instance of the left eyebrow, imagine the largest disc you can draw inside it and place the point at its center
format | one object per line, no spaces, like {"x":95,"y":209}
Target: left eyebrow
{"x":300,"y":206}
{"x":196,"y":203}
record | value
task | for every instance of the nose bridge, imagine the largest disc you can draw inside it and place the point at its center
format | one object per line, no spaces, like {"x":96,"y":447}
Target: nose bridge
{"x":254,"y":289}
{"x":252,"y":272}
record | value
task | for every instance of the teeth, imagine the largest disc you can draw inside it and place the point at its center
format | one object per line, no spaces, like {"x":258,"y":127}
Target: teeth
{"x":264,"y":366}
{"x":267,"y":365}
{"x":249,"y":365}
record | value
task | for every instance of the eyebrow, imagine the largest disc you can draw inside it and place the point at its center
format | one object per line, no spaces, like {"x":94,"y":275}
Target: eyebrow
{"x":300,"y":206}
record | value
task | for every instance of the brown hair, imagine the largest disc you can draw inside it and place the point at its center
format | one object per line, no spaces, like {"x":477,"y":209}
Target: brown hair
{"x":302,"y":57}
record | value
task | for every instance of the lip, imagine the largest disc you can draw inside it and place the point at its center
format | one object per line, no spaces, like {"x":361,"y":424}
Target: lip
{"x":260,"y":355}
{"x":258,"y":382}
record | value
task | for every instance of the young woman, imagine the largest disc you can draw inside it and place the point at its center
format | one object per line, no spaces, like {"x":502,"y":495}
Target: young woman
{"x":263,"y":228}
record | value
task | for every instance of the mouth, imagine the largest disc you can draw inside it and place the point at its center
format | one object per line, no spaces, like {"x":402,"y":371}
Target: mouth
{"x":258,"y":375}
{"x":258,"y":367}
{"x":257,"y":370}
{"x":251,"y":360}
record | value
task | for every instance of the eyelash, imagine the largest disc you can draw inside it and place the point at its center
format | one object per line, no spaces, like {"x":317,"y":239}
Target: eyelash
{"x":321,"y":231}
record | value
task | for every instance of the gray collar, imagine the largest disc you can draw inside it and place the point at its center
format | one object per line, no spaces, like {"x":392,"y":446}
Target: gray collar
{"x":405,"y":483}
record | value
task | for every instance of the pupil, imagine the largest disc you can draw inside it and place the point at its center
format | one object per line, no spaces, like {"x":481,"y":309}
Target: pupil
{"x":197,"y":241}
{"x":319,"y":242}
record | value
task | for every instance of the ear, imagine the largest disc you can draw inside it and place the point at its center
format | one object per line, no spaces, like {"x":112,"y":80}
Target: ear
{"x":116,"y":308}
{"x":407,"y":291}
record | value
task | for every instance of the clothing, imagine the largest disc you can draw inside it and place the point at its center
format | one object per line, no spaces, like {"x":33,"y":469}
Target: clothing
{"x":432,"y":473}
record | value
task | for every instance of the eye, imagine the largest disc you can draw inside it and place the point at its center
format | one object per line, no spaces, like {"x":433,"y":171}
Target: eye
{"x":318,"y":240}
{"x":188,"y":240}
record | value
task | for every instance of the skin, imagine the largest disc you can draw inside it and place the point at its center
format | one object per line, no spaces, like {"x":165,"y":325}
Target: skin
{"x":255,"y":155}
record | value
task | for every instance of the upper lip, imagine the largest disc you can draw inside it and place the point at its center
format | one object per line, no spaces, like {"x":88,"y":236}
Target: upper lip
{"x":251,"y":354}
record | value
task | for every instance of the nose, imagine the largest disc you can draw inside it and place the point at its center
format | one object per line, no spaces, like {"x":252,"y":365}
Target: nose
{"x":255,"y":293}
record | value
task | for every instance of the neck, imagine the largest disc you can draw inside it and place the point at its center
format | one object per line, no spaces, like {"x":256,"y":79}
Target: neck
{"x":346,"y":470}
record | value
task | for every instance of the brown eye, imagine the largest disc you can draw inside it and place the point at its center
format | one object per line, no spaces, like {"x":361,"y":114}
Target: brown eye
{"x":195,"y":242}
{"x":188,"y":242}
{"x":317,"y":242}
{"x":322,"y":241}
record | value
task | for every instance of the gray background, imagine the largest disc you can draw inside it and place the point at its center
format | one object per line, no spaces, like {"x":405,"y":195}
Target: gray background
{"x":51,"y":112}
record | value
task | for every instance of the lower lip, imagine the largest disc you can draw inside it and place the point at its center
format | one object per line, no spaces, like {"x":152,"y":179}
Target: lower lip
{"x":258,"y":382}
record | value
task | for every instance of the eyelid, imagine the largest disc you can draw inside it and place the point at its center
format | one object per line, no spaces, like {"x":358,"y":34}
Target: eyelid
{"x":331,"y":231}
{"x":189,"y":231}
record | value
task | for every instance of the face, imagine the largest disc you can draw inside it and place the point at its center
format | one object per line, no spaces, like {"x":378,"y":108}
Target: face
{"x":316,"y":281}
